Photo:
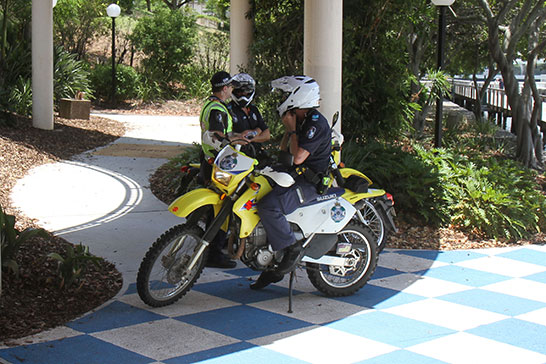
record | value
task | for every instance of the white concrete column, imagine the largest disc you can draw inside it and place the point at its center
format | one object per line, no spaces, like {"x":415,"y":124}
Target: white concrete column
{"x":322,"y":51}
{"x":42,"y":64}
{"x":240,"y":35}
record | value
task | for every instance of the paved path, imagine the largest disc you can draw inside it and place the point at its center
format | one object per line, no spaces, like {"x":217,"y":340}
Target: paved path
{"x":480,"y":306}
{"x":102,"y":197}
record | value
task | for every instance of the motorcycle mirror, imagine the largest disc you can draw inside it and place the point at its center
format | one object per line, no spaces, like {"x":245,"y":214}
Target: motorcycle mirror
{"x":335,"y":118}
{"x":286,"y":159}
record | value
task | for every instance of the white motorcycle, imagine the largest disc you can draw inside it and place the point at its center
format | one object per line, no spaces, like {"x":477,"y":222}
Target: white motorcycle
{"x":340,"y":250}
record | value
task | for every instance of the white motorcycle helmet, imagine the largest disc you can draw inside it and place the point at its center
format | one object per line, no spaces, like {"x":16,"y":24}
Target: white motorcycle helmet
{"x":244,"y":92}
{"x":303,"y":93}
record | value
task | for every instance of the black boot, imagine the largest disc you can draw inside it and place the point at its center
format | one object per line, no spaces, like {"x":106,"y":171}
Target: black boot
{"x":267,"y":277}
{"x":291,"y":258}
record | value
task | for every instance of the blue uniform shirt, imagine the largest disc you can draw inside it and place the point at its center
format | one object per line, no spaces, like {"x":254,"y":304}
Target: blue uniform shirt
{"x":315,"y":136}
{"x":242,"y":121}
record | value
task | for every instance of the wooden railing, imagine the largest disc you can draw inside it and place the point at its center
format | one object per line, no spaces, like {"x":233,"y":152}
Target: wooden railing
{"x":494,"y":102}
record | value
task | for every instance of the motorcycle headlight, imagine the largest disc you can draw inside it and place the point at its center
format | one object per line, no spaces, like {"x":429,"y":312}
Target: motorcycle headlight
{"x":222,"y":177}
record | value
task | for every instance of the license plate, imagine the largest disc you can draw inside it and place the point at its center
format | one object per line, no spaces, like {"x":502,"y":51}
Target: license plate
{"x":343,"y":248}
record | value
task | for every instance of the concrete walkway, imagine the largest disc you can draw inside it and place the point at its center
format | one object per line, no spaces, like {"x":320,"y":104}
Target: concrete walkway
{"x":102,"y":197}
{"x":479,"y":306}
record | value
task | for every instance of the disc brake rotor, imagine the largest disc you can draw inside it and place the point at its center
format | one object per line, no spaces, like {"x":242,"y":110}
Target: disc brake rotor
{"x":176,"y":269}
{"x":351,"y":260}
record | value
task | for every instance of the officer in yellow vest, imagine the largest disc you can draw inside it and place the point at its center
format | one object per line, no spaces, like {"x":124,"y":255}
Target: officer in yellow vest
{"x":216,"y":119}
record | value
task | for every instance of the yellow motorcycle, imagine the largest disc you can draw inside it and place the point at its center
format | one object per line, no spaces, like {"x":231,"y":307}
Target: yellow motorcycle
{"x":340,"y":250}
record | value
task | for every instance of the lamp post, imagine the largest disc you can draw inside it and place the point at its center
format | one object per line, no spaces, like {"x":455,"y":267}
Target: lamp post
{"x":113,"y":11}
{"x":442,"y":5}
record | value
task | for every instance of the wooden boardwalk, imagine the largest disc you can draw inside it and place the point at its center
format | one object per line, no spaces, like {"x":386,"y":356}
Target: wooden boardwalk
{"x":495,"y":103}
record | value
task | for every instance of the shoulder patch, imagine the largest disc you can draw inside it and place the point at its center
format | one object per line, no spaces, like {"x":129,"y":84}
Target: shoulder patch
{"x":219,"y":116}
{"x":311,"y":132}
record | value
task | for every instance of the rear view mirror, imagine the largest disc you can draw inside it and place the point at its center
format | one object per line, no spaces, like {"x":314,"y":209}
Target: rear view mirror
{"x":286,"y":159}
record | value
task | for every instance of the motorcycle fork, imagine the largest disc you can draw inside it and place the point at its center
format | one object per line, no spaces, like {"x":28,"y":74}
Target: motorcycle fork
{"x":215,"y":225}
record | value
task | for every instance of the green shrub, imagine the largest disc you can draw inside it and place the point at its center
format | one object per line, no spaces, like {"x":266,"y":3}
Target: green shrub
{"x":77,"y":22}
{"x":167,"y":39}
{"x":267,"y":104}
{"x":21,"y":97}
{"x":148,"y":90}
{"x":189,"y":155}
{"x":211,"y":55}
{"x":493,"y":197}
{"x":196,"y":81}
{"x":15,"y":68}
{"x":72,"y":267}
{"x":127,"y":82}
{"x":412,"y":182}
{"x":70,"y":75}
{"x":11,"y":240}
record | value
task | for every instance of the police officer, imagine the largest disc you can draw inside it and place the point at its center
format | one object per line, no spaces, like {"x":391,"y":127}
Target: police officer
{"x":247,"y":120}
{"x":216,"y":119}
{"x":308,"y":137}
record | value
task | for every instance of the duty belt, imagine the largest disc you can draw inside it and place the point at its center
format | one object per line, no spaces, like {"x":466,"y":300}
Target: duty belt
{"x":319,"y":180}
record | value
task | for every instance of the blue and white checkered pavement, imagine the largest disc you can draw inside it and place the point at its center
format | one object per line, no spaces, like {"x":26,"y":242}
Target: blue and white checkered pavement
{"x":469,"y":306}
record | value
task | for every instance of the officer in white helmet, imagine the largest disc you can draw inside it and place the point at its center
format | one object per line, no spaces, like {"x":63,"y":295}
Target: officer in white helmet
{"x":308,"y":138}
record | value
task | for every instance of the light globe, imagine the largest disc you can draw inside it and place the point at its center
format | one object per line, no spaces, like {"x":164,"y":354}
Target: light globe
{"x":443,"y":2}
{"x":113,"y":10}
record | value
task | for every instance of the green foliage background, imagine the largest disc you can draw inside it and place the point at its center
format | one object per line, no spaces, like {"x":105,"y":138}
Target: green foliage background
{"x":167,"y":40}
{"x":455,"y":185}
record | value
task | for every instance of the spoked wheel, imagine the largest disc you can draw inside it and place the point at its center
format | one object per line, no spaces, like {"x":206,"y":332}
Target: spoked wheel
{"x":163,"y":276}
{"x":373,"y":220}
{"x":360,"y":263}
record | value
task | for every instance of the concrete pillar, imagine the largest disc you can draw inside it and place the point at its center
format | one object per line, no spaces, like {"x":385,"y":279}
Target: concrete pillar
{"x":240,"y":35}
{"x":42,"y":64}
{"x":322,"y":51}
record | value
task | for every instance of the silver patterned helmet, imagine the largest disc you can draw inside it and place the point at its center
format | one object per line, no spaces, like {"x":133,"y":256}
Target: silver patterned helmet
{"x":244,"y":92}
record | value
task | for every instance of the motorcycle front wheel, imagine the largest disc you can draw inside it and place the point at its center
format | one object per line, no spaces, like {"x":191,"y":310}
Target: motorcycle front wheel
{"x":163,"y":277}
{"x":361,"y":261}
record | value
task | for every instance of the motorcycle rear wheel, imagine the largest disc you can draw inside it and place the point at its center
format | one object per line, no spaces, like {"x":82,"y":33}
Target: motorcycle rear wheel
{"x":162,"y":278}
{"x":336,"y":281}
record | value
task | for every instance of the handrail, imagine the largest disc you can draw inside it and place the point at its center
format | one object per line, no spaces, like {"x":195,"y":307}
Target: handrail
{"x":495,"y":99}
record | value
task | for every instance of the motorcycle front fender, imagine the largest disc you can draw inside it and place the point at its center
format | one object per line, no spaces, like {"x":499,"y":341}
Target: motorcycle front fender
{"x":191,"y":201}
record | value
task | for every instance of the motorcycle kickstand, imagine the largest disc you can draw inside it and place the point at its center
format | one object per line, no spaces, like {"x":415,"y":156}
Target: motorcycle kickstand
{"x":290,"y":284}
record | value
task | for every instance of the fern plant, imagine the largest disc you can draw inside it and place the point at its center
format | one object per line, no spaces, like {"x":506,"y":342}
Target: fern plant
{"x":11,"y":240}
{"x":493,"y":197}
{"x":70,"y":75}
{"x":72,"y":267}
{"x":21,"y":97}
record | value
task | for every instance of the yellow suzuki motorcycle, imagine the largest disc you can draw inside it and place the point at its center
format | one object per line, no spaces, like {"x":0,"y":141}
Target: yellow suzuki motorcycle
{"x":340,"y":250}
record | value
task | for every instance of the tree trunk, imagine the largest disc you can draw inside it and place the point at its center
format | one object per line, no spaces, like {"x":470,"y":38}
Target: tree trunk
{"x":480,"y":93}
{"x":519,"y":104}
{"x":416,"y":50}
{"x":526,"y":22}
{"x":4,"y":30}
{"x":527,"y":151}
